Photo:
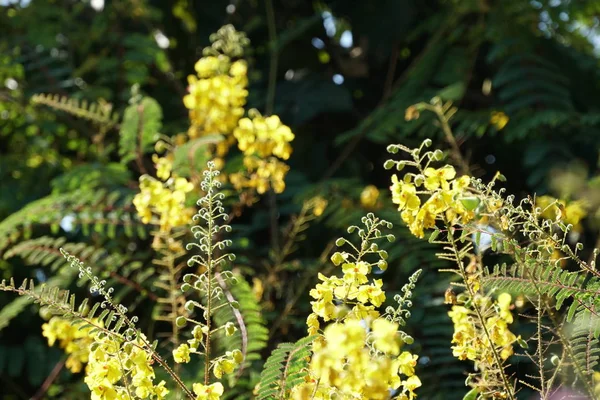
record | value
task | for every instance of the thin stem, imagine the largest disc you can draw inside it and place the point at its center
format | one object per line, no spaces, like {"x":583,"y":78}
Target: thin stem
{"x":125,"y":380}
{"x":49,"y":380}
{"x":270,"y":102}
{"x":209,"y":266}
{"x":456,"y":153}
{"x":482,"y":321}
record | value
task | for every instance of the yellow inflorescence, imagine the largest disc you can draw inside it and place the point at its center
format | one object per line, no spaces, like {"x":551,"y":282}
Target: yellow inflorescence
{"x":217,"y":95}
{"x":264,"y":136}
{"x":164,"y":199}
{"x":358,"y":355}
{"x":112,"y":361}
{"x":354,"y":287}
{"x":445,"y":198}
{"x":109,"y":362}
{"x":355,"y":362}
{"x":75,"y":341}
{"x":261,"y":174}
{"x":216,"y":100}
{"x":467,"y":338}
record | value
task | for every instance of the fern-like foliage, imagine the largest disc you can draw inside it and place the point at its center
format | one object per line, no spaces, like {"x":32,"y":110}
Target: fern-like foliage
{"x":252,"y":334}
{"x":100,"y":113}
{"x":284,"y":369}
{"x":45,"y":252}
{"x":240,"y":306}
{"x":101,"y":211}
{"x":582,"y":294}
{"x":13,"y":309}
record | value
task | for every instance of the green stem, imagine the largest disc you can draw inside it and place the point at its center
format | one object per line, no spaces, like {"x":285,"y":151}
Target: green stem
{"x":472,"y":293}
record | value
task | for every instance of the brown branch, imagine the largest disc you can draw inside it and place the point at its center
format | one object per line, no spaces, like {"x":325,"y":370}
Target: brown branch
{"x":49,"y":380}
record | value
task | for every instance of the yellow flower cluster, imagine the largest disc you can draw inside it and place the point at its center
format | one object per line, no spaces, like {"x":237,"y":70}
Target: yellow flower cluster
{"x":261,"y":175}
{"x":358,"y":355}
{"x":357,"y":363}
{"x":468,"y":336}
{"x":264,"y":136}
{"x":446,"y":199}
{"x":216,"y":100}
{"x":217,"y":95}
{"x":354,"y":287}
{"x":263,"y":139}
{"x":165,"y":198}
{"x":112,"y":361}
{"x":222,"y":365}
{"x":108,"y":362}
{"x":75,"y":341}
{"x":569,"y":213}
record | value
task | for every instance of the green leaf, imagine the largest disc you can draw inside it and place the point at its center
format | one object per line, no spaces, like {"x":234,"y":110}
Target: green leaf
{"x":140,"y":128}
{"x":471,"y":394}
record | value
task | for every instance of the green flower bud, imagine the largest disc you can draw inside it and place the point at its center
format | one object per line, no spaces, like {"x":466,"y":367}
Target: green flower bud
{"x":337,"y":258}
{"x":181,"y":322}
{"x":237,"y":356}
{"x":230,"y":329}
{"x":197,"y":332}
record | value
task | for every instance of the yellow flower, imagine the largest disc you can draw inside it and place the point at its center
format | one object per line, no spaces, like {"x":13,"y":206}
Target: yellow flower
{"x":313,"y":324}
{"x":369,"y":196}
{"x":372,"y":293}
{"x":410,"y":385}
{"x":435,"y":178}
{"x":384,"y":336}
{"x":164,"y":199}
{"x":211,"y":392}
{"x":460,"y":184}
{"x":499,"y":119}
{"x":319,"y":205}
{"x":356,"y":272}
{"x":406,"y":363}
{"x":182,"y":354}
{"x":163,"y":166}
{"x":223,"y":366}
{"x":75,"y":341}
{"x":404,"y":195}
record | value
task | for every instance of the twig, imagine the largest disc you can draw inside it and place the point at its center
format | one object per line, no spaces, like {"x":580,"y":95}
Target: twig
{"x":49,"y":380}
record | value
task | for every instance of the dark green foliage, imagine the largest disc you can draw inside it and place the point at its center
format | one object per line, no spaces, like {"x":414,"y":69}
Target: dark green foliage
{"x":140,"y":129}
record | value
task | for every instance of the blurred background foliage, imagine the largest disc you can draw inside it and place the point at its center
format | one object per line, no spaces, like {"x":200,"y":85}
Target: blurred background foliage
{"x":523,"y":74}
